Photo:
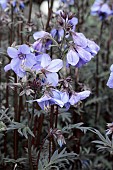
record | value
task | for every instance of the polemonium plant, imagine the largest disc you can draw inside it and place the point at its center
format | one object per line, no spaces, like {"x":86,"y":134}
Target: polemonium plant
{"x":43,"y":82}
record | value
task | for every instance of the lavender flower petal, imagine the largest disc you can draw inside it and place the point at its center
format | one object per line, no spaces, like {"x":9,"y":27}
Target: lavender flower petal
{"x":40,"y":34}
{"x":52,"y":78}
{"x":72,"y":57}
{"x":12,"y":52}
{"x":55,"y":65}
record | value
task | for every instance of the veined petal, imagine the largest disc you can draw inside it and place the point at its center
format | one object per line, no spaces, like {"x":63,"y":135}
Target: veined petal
{"x":16,"y":67}
{"x":44,"y":104}
{"x":44,"y":101}
{"x":37,"y":67}
{"x":56,"y":94}
{"x":30,"y":60}
{"x":93,"y":48}
{"x":25,"y":49}
{"x":38,"y":58}
{"x":12,"y":52}
{"x":72,"y":57}
{"x":40,"y":34}
{"x":75,"y":98}
{"x":52,"y":78}
{"x":55,"y":65}
{"x":15,"y":63}
{"x":58,"y":102}
{"x":79,"y":39}
{"x":45,"y":60}
{"x":84,"y":55}
{"x":37,"y":45}
{"x":43,"y":98}
{"x":64,"y":97}
{"x":84,"y":94}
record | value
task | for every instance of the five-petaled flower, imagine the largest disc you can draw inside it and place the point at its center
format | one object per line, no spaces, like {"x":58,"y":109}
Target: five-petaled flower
{"x":49,"y":68}
{"x":74,"y":98}
{"x":49,"y":99}
{"x":21,"y":58}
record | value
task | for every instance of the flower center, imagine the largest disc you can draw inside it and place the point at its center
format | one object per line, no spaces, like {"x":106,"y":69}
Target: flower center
{"x":22,"y":56}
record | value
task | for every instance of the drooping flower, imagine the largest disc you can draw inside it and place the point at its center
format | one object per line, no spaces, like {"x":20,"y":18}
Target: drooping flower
{"x":83,"y":50}
{"x":110,"y":80}
{"x":101,"y":9}
{"x":21,"y":58}
{"x":38,"y":47}
{"x":48,"y":67}
{"x":43,"y":41}
{"x":92,"y":47}
{"x":74,"y":98}
{"x":41,"y":34}
{"x":49,"y":99}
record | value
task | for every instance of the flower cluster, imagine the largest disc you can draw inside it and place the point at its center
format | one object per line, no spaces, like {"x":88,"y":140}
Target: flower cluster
{"x":36,"y":58}
{"x":101,"y":9}
{"x":81,"y":51}
{"x":21,"y":58}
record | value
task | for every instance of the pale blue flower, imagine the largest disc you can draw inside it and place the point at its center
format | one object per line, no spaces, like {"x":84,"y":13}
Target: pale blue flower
{"x":21,"y":58}
{"x":74,"y":98}
{"x":49,"y":99}
{"x":48,"y":67}
{"x":41,"y":34}
{"x":83,"y":50}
